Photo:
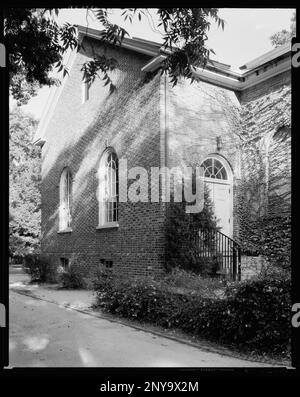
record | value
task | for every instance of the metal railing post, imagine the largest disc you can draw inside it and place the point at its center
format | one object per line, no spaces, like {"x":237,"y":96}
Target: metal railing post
{"x":214,"y":244}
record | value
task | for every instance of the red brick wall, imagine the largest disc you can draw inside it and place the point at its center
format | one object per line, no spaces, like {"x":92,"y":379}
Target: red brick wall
{"x":127,"y":120}
{"x":266,"y":87}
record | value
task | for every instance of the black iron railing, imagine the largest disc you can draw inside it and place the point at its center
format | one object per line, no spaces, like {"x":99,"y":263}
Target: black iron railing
{"x":214,"y":245}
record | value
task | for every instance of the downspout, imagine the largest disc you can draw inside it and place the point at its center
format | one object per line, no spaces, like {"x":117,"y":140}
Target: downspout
{"x":163,"y":122}
{"x":166,"y":120}
{"x":163,"y":145}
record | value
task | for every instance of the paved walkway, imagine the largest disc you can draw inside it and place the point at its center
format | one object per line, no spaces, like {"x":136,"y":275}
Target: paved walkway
{"x":74,"y":299}
{"x":68,"y":333}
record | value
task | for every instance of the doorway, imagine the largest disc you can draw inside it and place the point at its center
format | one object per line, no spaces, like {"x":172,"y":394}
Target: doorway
{"x":218,"y":179}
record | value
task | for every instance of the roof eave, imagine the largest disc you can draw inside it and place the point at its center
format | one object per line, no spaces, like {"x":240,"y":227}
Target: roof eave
{"x":267,"y":57}
{"x":139,"y":45}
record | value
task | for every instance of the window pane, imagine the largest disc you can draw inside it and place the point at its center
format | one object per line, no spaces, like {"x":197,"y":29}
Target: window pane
{"x":65,"y":182}
{"x":110,"y":204}
{"x":213,"y":168}
{"x":106,"y":211}
{"x":115,"y":214}
{"x":65,"y":199}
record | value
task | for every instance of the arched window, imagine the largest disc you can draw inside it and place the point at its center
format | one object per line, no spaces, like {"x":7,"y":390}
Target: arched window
{"x":108,"y":189}
{"x":65,"y":199}
{"x":213,"y":168}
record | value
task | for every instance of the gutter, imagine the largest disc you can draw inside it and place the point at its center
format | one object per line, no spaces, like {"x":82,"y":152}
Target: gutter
{"x":138,"y":45}
{"x":238,"y":81}
{"x":242,"y":83}
{"x":268,"y":56}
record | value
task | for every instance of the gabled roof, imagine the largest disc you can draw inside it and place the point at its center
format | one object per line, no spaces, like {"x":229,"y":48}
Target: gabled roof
{"x":253,"y":72}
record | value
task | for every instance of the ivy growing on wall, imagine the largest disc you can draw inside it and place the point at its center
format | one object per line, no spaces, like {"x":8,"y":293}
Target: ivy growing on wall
{"x":262,"y":231}
{"x":264,"y":191}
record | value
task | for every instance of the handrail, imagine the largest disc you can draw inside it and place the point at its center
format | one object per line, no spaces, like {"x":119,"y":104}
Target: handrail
{"x":223,"y":249}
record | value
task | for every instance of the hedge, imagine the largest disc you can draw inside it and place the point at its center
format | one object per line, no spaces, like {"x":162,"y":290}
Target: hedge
{"x":254,"y":314}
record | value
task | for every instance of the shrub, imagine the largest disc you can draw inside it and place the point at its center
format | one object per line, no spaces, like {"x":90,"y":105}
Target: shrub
{"x":259,"y":312}
{"x":182,"y":249}
{"x":72,"y":279}
{"x":40,"y":268}
{"x":138,"y":298}
{"x":253,"y":314}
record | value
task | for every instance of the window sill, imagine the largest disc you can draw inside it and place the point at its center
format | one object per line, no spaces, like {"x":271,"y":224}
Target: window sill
{"x":110,"y":225}
{"x":67,"y":230}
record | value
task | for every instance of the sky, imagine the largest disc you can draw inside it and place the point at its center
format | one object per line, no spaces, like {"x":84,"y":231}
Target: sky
{"x":246,"y":36}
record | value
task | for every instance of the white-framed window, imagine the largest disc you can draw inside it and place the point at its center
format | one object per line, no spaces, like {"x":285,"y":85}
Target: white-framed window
{"x":65,"y":200}
{"x":108,"y":189}
{"x":85,"y":91}
{"x":213,"y":168}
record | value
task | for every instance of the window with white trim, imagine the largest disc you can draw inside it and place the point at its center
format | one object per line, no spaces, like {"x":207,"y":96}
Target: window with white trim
{"x":65,"y":199}
{"x":85,"y":91}
{"x":108,"y":189}
{"x":213,"y":168}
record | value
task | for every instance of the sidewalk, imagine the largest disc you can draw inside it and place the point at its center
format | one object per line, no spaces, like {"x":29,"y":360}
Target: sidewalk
{"x":73,"y":299}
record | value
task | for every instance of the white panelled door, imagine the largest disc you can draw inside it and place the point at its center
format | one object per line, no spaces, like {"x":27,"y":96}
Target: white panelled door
{"x":218,"y":179}
{"x":221,"y":197}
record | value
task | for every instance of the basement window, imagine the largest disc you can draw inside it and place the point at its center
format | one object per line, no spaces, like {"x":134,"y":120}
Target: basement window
{"x":64,"y":263}
{"x":107,"y":263}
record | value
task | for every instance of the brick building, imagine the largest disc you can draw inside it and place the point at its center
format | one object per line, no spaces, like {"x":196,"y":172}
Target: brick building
{"x":234,"y":123}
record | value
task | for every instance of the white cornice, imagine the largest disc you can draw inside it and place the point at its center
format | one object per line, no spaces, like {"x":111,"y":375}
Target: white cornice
{"x":139,"y":45}
{"x":238,"y":84}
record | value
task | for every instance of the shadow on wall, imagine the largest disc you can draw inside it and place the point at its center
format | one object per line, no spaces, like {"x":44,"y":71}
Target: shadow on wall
{"x":129,"y":122}
{"x":199,"y":114}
